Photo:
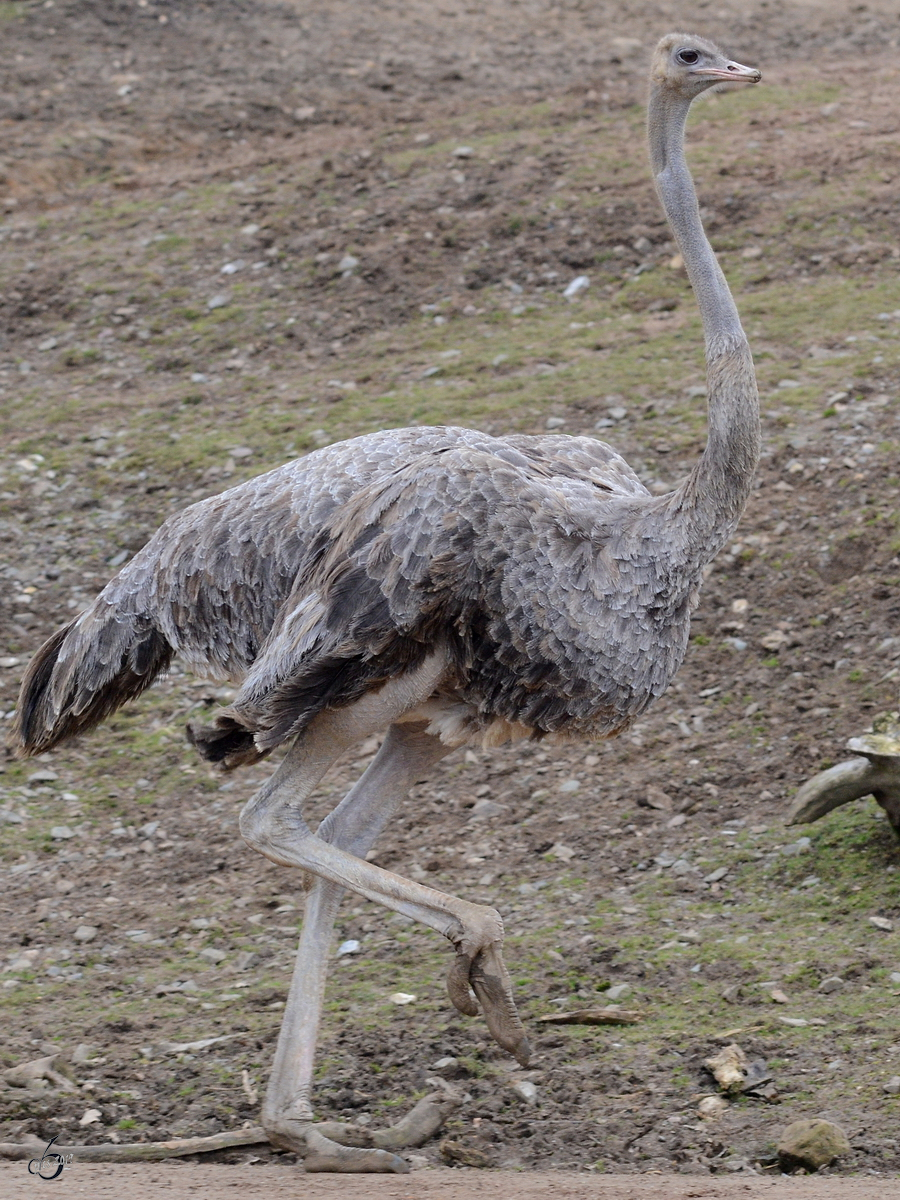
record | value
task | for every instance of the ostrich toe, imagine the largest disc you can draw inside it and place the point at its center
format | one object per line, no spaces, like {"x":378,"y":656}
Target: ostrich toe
{"x":485,"y":974}
{"x":324,"y":1155}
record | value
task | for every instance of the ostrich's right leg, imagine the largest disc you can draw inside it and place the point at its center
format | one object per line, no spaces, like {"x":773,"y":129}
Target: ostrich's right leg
{"x":405,"y":756}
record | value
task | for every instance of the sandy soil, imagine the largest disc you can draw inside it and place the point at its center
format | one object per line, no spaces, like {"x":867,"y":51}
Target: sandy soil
{"x":219,"y":1183}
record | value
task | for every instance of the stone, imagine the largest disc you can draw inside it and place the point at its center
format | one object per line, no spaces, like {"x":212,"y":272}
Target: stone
{"x":895,"y":976}
{"x":563,"y":853}
{"x":83,"y":1053}
{"x":246,"y":960}
{"x":711,"y":1108}
{"x":811,"y":1144}
{"x":732,"y":994}
{"x":463,"y":152}
{"x":681,"y":867}
{"x":213,"y":955}
{"x":526,"y":1091}
{"x":8,"y":817}
{"x":833,"y":983}
{"x":348,"y":264}
{"x":61,"y":833}
{"x":402,"y":998}
{"x":217,"y":301}
{"x":42,"y":777}
{"x":729,"y":1068}
{"x":351,"y":946}
{"x":483,"y":809}
{"x":578,"y":284}
{"x":85,"y":933}
{"x":655,"y":797}
{"x":892,"y":1087}
{"x":882,"y":923}
{"x":675,"y":822}
{"x":618,"y":991}
{"x":570,"y":785}
{"x":91,"y":1117}
{"x":715,"y":876}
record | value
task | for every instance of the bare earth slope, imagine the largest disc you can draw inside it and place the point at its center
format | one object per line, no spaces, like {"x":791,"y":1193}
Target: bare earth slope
{"x":233,"y":232}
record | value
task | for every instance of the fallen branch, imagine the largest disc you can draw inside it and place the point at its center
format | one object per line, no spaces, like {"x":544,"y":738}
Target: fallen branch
{"x":594,"y":1016}
{"x":141,"y":1151}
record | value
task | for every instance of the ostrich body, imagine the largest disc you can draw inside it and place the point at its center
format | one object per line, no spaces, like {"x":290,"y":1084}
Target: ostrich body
{"x":441,"y":584}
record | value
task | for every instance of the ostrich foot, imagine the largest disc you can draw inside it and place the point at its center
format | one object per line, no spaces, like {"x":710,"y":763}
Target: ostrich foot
{"x":485,"y":974}
{"x":322,"y":1154}
{"x":336,"y":1146}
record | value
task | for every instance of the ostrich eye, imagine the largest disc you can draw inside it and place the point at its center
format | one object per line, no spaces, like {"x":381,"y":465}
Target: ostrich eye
{"x":688,"y":57}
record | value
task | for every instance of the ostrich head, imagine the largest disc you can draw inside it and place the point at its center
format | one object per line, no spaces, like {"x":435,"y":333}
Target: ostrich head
{"x":687,"y":65}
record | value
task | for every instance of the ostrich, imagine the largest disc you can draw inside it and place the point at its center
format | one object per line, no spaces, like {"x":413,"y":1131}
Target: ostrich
{"x":437,"y":583}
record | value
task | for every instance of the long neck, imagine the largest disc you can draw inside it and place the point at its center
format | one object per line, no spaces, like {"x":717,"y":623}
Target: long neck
{"x":709,"y":503}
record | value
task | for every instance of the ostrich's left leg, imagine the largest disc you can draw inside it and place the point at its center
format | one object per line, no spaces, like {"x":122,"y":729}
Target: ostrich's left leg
{"x":405,"y":756}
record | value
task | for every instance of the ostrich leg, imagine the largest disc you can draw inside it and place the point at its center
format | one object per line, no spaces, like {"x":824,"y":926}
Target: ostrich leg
{"x":405,"y":756}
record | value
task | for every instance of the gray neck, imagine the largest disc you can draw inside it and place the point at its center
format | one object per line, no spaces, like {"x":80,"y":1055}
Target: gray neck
{"x":710,"y":502}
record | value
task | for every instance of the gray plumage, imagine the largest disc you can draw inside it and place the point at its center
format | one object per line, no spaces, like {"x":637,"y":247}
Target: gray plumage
{"x":560,"y":588}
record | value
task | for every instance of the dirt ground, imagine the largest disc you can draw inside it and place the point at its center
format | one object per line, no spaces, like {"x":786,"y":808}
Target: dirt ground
{"x":216,"y":1183}
{"x":233,"y":232}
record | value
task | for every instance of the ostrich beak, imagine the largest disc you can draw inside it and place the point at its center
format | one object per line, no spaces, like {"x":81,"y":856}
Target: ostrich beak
{"x":734,"y":72}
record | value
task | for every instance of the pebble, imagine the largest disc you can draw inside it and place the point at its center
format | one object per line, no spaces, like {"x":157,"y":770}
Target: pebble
{"x":711,"y":1107}
{"x":563,"y":853}
{"x":486,"y":808}
{"x":91,"y":1117}
{"x":61,"y":833}
{"x":463,"y":152}
{"x":42,"y":777}
{"x":351,"y":946}
{"x":232,"y":268}
{"x":200,"y":923}
{"x":833,"y":983}
{"x":655,"y":797}
{"x":578,"y":284}
{"x":801,"y":846}
{"x":85,"y":933}
{"x":675,"y":822}
{"x":681,"y":867}
{"x":217,"y":301}
{"x":796,"y":1022}
{"x":213,"y":955}
{"x":526,"y":1091}
{"x":8,"y":817}
{"x":895,"y":976}
{"x":571,"y":785}
{"x":882,"y":923}
{"x":402,"y":998}
{"x":717,"y":875}
{"x":348,"y":264}
{"x":618,"y":991}
{"x":892,"y":1087}
{"x":555,"y":422}
{"x":444,"y":1064}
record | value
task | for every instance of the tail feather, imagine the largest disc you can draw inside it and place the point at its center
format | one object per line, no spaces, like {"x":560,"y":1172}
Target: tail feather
{"x":82,"y":674}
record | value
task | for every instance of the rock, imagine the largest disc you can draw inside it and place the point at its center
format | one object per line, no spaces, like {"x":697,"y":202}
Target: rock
{"x":882,"y":923}
{"x":483,"y":809}
{"x":729,"y":1068}
{"x":42,"y":777}
{"x":232,"y":268}
{"x":732,"y":994}
{"x":563,"y":853}
{"x":83,"y":1053}
{"x":655,"y":797}
{"x":61,"y":833}
{"x":526,"y":1091}
{"x":217,"y":301}
{"x":348,"y":264}
{"x":895,"y":976}
{"x":801,"y":846}
{"x":570,"y":785}
{"x":811,"y":1145}
{"x":85,"y":933}
{"x":711,"y":1108}
{"x":774,"y":640}
{"x":681,"y":867}
{"x":618,"y":991}
{"x":716,"y":875}
{"x":8,"y":817}
{"x":578,"y":284}
{"x":834,"y":983}
{"x":778,"y":996}
{"x":200,"y":922}
{"x":892,"y":1087}
{"x":402,"y":998}
{"x":463,"y":152}
{"x":676,"y":821}
{"x":211,"y":954}
{"x":795,"y":1022}
{"x":464,"y":1156}
{"x":555,"y":422}
{"x":91,"y":1117}
{"x":444,"y":1064}
{"x":351,"y":946}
